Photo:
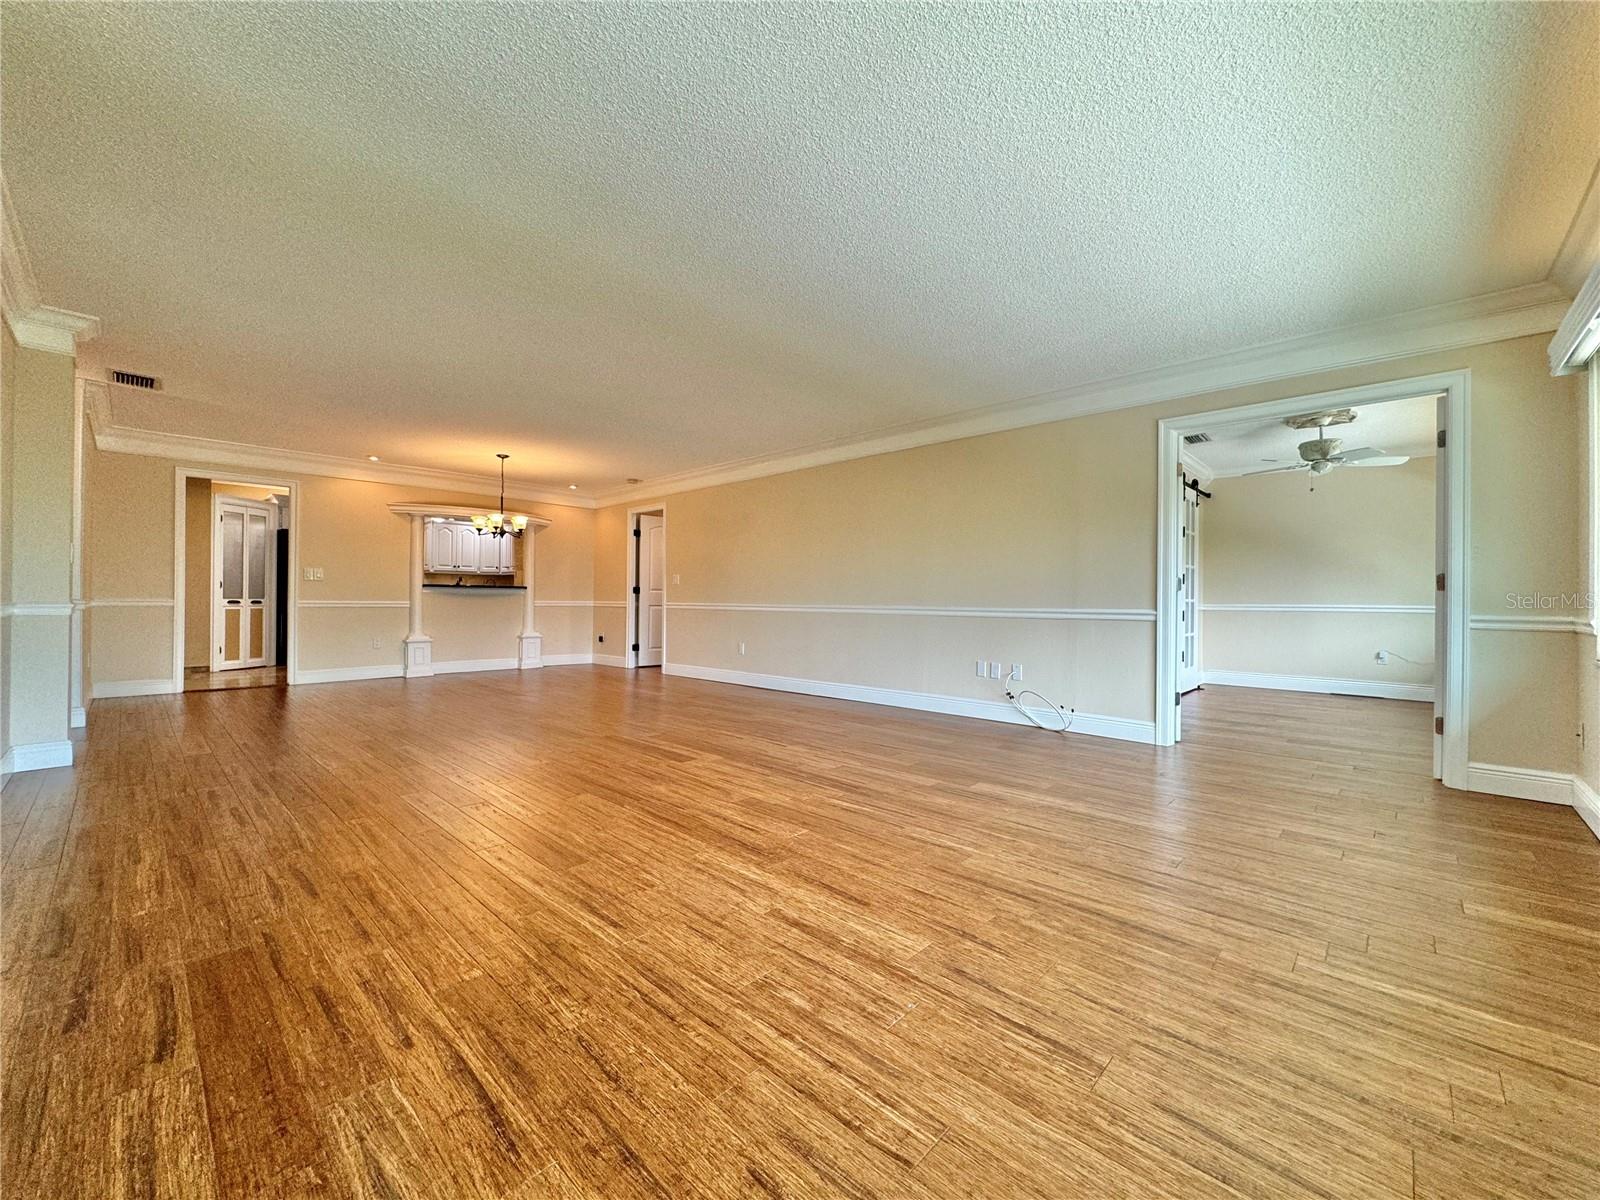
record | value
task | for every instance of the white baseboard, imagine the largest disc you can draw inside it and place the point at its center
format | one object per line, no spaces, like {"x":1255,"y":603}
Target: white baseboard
{"x":79,"y":718}
{"x":1121,"y":728}
{"x":1520,"y":783}
{"x":36,"y":756}
{"x":567,"y":660}
{"x":1322,"y":686}
{"x":474,"y":664}
{"x":347,"y":674}
{"x":609,"y":660}
{"x":114,"y":689}
{"x":1587,"y":801}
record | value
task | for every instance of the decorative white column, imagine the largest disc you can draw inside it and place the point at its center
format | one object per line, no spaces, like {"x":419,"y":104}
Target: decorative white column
{"x":530,"y":646}
{"x":418,"y":645}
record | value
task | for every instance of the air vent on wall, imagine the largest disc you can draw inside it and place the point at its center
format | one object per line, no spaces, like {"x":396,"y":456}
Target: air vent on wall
{"x":1196,"y":439}
{"x":129,"y":379}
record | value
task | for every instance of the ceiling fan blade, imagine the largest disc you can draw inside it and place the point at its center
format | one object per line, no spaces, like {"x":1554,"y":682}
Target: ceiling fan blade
{"x":1359,"y":454}
{"x":1387,"y":460}
{"x":1276,"y":470}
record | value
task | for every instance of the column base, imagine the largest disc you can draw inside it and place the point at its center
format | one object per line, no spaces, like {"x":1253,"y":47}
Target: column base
{"x":418,"y":657}
{"x":530,"y":651}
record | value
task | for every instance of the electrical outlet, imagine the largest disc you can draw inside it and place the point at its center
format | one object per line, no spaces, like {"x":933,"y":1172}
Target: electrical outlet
{"x":1016,"y":671}
{"x":676,"y":580}
{"x":994,"y":670}
{"x":319,"y":572}
{"x":1381,"y":658}
{"x":983,"y":669}
{"x":377,"y":643}
{"x":310,"y":574}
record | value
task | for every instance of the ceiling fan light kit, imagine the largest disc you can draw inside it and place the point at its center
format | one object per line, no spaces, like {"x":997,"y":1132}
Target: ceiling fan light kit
{"x":1319,"y":455}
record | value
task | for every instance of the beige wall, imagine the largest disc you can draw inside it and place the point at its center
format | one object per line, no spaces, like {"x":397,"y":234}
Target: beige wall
{"x":1057,"y":517}
{"x":345,"y":528}
{"x":1063,"y":516}
{"x":36,"y":543}
{"x":1351,"y":537}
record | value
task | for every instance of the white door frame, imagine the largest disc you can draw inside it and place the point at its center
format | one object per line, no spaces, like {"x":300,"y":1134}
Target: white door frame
{"x":1452,"y":675}
{"x":181,"y":477}
{"x":630,"y":656}
{"x":220,"y":500}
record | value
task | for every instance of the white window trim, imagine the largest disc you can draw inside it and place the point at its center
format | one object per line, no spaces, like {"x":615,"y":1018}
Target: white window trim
{"x":1593,"y":540}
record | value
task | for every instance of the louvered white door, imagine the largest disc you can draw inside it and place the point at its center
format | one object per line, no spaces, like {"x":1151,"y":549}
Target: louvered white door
{"x":243,"y":570}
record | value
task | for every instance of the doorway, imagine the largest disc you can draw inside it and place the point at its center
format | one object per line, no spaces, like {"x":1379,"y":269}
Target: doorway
{"x":234,"y":617}
{"x":1268,"y":634}
{"x":647,"y":588}
{"x":243,"y":587}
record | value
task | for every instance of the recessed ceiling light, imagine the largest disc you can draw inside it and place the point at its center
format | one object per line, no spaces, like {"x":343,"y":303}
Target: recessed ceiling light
{"x":572,"y":487}
{"x":372,"y":458}
{"x":635,"y":481}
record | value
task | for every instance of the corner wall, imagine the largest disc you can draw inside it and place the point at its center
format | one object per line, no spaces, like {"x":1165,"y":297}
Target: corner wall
{"x":36,"y":512}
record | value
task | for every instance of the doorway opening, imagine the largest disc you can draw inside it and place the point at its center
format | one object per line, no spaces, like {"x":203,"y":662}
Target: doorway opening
{"x":234,"y":620}
{"x":1316,"y":545}
{"x":647,"y":587}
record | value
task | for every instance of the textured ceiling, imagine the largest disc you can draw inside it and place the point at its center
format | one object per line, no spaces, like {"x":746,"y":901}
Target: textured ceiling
{"x":1405,"y":427}
{"x":629,"y":240}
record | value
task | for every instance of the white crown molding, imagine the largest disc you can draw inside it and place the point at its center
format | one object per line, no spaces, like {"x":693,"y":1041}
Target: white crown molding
{"x":53,"y":330}
{"x":1515,"y":312}
{"x":1578,"y":336}
{"x":111,"y":438}
{"x":1580,"y":249}
{"x":34,"y":324}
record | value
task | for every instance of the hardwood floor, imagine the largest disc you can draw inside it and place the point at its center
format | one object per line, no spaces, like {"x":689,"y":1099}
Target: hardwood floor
{"x":570,"y":933}
{"x":203,"y":679}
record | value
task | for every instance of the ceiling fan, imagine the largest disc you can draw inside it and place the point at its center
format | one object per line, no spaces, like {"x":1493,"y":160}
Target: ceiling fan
{"x":1322,"y":453}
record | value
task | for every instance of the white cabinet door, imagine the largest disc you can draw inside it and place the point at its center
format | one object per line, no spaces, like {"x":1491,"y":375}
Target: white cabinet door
{"x":438,"y":547}
{"x":508,"y":553}
{"x":467,"y":547}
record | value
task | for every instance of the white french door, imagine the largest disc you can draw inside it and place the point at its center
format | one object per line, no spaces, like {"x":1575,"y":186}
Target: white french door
{"x":243,"y":574}
{"x":1189,"y":593}
{"x":651,"y":573}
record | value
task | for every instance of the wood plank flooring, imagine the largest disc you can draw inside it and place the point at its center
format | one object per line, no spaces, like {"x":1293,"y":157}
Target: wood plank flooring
{"x":572,"y":933}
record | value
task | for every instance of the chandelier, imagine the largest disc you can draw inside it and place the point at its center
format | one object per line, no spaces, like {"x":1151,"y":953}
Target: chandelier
{"x":497,"y":524}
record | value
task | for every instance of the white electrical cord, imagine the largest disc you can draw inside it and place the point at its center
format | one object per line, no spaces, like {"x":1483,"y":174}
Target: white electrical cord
{"x":1404,"y":659}
{"x":1016,"y":702}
